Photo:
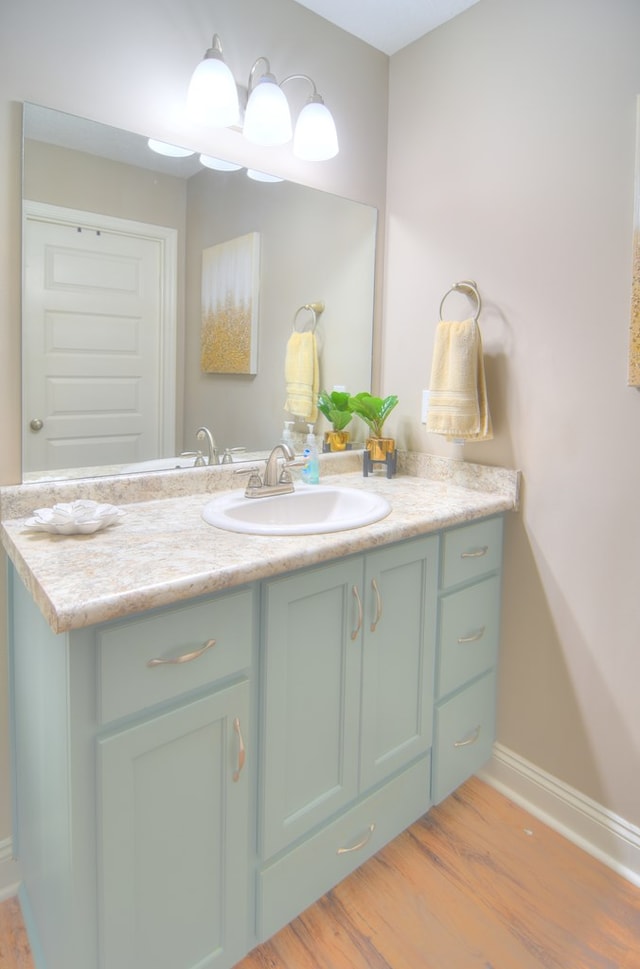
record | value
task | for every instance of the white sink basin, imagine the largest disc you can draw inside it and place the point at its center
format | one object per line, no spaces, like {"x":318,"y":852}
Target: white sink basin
{"x":309,"y":510}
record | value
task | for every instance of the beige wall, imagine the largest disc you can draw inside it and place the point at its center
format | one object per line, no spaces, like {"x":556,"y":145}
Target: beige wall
{"x":129,"y":64}
{"x":511,"y":161}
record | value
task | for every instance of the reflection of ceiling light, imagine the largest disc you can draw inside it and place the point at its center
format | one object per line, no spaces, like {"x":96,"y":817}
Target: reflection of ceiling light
{"x":219,"y":164}
{"x":172,"y":151}
{"x":262,"y":176}
{"x":212,"y":99}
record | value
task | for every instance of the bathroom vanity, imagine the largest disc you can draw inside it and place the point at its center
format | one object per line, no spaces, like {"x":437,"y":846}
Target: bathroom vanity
{"x":211,"y":730}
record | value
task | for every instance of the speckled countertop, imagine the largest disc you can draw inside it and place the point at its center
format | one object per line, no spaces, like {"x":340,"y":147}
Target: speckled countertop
{"x":163,"y":552}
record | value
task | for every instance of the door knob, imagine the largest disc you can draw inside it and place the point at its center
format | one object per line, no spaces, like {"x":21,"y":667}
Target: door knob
{"x":36,"y":424}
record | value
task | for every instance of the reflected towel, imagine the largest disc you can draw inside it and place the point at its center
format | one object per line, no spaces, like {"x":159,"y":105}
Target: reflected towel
{"x":301,"y":376}
{"x":458,"y":405}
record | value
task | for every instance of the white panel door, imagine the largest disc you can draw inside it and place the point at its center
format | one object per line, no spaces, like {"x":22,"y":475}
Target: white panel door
{"x":93,"y":312}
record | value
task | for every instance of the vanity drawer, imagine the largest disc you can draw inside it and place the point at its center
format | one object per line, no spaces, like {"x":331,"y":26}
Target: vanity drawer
{"x":141,"y":662}
{"x":471,"y":551}
{"x":469,"y":633}
{"x":295,"y":881}
{"x":464,"y":735}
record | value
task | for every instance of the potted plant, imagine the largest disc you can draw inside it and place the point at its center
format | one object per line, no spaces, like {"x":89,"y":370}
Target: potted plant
{"x":335,"y":407}
{"x":374,"y":412}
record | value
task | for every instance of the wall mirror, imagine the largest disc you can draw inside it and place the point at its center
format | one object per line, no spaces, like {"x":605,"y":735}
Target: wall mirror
{"x":113,"y":242}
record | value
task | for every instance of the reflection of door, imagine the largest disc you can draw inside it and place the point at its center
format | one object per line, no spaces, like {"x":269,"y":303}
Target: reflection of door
{"x":98,"y":340}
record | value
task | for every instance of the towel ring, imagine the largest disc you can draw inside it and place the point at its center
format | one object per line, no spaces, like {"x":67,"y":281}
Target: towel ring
{"x":314,"y":308}
{"x":465,"y":286}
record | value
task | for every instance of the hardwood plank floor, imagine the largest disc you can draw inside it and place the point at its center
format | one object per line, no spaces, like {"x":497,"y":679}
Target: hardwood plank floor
{"x":478,"y":883}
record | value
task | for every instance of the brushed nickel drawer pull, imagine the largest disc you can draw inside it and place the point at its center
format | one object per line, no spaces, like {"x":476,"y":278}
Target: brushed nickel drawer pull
{"x":241,"y":750}
{"x":354,"y":634}
{"x":374,"y":586}
{"x":475,"y":553}
{"x":359,"y":844}
{"x":185,"y":658}
{"x":474,"y":637}
{"x":469,"y":739}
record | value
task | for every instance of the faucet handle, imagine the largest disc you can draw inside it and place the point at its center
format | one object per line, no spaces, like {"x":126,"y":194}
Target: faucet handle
{"x":198,"y":455}
{"x":227,"y":457}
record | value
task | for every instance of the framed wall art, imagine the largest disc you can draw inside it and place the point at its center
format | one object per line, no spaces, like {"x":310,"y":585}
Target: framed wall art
{"x":230,"y":298}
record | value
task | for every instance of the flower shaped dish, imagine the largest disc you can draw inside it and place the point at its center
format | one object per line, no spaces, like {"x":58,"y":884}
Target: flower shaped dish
{"x":74,"y":518}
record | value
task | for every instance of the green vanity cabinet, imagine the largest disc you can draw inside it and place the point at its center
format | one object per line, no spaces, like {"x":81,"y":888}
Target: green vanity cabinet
{"x":347,"y":706}
{"x":189,"y":779}
{"x":134,"y":791}
{"x":173,"y":843}
{"x":467,"y":653}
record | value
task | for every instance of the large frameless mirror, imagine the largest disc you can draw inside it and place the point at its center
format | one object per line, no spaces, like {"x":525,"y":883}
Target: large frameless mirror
{"x":115,"y":240}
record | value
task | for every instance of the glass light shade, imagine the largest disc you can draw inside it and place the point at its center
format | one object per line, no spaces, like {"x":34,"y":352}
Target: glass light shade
{"x":219,"y":164}
{"x":315,"y":137}
{"x":171,"y":151}
{"x":212,"y":98}
{"x":267,"y":120}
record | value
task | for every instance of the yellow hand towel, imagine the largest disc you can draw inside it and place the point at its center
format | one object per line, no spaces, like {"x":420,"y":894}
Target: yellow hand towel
{"x":458,"y":405}
{"x":302,"y":376}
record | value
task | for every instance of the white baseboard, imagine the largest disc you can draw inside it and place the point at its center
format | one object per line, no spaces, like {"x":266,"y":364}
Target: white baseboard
{"x":586,"y":823}
{"x":9,"y":871}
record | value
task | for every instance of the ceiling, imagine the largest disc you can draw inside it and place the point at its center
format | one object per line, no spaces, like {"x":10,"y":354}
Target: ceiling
{"x":387,"y":25}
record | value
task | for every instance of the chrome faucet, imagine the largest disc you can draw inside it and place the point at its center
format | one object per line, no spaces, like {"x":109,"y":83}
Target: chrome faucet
{"x":203,"y":433}
{"x":277,"y":479}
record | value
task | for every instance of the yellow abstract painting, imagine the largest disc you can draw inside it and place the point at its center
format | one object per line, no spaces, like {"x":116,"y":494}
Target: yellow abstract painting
{"x":634,"y":333}
{"x":230,"y":295}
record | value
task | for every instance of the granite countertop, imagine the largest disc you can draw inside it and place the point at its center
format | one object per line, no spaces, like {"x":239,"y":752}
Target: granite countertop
{"x":163,"y":552}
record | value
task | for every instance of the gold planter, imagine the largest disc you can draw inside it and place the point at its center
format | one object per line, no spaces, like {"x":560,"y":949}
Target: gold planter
{"x":336,"y":440}
{"x":379,"y":447}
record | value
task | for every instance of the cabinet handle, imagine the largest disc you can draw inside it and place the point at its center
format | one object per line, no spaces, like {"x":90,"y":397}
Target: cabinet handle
{"x":359,"y":844}
{"x":241,"y":751}
{"x":475,"y":553}
{"x":474,"y":637}
{"x":374,"y":586}
{"x":185,"y":658}
{"x":354,"y":634}
{"x":469,"y":739}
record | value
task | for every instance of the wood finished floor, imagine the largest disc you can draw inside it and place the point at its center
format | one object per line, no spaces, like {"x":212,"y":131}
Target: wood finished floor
{"x":476,"y":884}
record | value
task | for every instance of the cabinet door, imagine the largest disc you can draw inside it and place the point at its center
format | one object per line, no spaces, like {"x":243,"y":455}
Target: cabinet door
{"x":174,"y":837}
{"x":311,"y":682}
{"x":398,"y":657}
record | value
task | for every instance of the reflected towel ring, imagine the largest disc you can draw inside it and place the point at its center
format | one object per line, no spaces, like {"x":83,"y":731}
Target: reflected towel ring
{"x":315,"y":309}
{"x":465,"y":286}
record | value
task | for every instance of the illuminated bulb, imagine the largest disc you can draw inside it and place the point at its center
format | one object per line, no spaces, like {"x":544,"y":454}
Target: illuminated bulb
{"x":315,"y":137}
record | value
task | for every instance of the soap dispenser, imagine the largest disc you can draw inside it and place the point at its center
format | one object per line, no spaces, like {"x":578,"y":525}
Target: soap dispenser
{"x":311,"y":470}
{"x":287,"y":435}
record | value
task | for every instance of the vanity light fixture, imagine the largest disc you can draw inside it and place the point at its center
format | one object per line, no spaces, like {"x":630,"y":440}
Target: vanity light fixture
{"x":315,"y":137}
{"x":212,"y":99}
{"x":267,"y":120}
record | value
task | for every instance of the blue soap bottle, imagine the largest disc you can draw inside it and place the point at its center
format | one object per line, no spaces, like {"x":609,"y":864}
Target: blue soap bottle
{"x":311,"y":470}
